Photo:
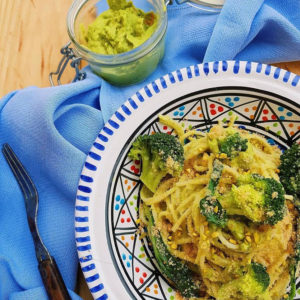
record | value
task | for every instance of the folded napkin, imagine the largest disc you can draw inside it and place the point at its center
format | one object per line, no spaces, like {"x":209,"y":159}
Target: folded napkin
{"x":52,"y":129}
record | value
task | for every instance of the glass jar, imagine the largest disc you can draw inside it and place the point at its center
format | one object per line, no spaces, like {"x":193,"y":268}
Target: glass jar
{"x":125,"y":68}
{"x":205,"y":5}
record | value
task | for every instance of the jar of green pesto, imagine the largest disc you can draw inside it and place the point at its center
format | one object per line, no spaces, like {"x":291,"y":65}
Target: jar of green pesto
{"x":123,"y":41}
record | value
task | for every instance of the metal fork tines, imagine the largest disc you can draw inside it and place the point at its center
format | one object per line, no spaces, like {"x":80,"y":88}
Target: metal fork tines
{"x":52,"y":279}
{"x":31,"y":199}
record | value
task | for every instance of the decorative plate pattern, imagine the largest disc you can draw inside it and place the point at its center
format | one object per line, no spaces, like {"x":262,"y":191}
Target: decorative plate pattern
{"x":114,"y":257}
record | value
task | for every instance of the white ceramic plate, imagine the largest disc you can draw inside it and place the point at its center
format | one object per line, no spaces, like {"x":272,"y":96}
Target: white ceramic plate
{"x":115,"y":262}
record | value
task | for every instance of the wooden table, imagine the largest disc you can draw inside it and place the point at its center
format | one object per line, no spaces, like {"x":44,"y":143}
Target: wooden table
{"x":32,"y":33}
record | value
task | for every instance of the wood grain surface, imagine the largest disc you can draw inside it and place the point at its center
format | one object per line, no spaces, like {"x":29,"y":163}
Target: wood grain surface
{"x":32,"y":34}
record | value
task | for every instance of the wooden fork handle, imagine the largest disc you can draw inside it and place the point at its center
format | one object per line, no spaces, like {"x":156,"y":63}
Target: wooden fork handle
{"x":53,"y":280}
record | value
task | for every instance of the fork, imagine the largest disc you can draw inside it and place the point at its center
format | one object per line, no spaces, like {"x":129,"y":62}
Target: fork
{"x":52,"y":279}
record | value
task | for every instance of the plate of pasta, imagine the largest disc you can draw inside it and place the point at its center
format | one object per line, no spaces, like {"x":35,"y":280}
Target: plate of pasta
{"x":191,"y":190}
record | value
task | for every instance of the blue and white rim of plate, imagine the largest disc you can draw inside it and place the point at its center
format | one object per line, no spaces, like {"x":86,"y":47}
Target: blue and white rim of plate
{"x":248,"y":71}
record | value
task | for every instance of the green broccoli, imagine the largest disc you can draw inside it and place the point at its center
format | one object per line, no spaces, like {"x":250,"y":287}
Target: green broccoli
{"x":294,"y":264}
{"x":232,"y":144}
{"x":210,"y":207}
{"x":289,"y":173}
{"x":215,"y":176}
{"x":297,"y":246}
{"x":290,"y":170}
{"x":292,"y":292}
{"x":257,"y":198}
{"x":237,"y":229}
{"x":213,"y":211}
{"x":251,"y":285}
{"x":161,"y":154}
{"x":172,"y":267}
{"x":244,"y":160}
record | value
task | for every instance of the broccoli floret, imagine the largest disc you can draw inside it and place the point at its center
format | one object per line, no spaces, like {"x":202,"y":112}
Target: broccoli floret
{"x":213,"y":211}
{"x":260,"y":274}
{"x":161,"y":154}
{"x":215,"y":176}
{"x":244,"y":160}
{"x":236,"y":228}
{"x":290,"y":170}
{"x":257,"y":198}
{"x":176,"y":270}
{"x":294,"y":264}
{"x":297,"y":246}
{"x":292,"y":292}
{"x":251,"y":285}
{"x":232,"y":144}
{"x":210,"y":207}
{"x":244,"y":200}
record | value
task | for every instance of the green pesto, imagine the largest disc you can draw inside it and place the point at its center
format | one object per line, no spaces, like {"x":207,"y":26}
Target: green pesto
{"x":119,"y":29}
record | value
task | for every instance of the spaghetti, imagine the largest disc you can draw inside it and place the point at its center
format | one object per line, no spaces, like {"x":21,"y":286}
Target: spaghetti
{"x":219,"y":255}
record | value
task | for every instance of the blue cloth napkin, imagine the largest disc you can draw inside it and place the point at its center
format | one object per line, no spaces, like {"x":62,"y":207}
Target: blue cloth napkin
{"x":52,"y":129}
